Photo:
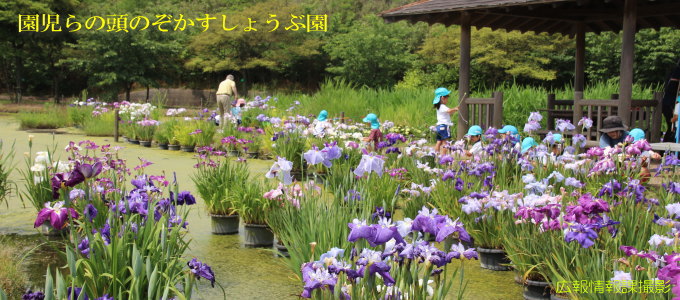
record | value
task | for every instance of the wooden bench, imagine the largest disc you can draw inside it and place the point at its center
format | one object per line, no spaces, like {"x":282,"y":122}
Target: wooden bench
{"x":485,"y":112}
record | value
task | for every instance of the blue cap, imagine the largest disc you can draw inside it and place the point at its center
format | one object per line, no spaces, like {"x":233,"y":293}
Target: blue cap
{"x":557,"y":138}
{"x":678,"y":100}
{"x":509,"y":128}
{"x":474,"y":130}
{"x":527,"y":143}
{"x":322,"y":115}
{"x":438,"y":93}
{"x":637,"y":134}
{"x":373,"y":119}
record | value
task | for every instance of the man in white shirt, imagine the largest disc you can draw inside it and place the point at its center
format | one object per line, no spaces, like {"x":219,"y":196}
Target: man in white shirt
{"x":225,"y":92}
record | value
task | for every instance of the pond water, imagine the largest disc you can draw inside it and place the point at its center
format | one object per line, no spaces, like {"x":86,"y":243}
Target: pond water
{"x":244,"y":273}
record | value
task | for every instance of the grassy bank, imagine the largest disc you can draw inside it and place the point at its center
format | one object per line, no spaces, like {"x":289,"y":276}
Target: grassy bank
{"x":12,"y":280}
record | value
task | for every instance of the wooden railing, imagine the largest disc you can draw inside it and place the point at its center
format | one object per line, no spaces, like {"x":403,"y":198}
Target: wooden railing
{"x":485,"y":112}
{"x":644,"y":114}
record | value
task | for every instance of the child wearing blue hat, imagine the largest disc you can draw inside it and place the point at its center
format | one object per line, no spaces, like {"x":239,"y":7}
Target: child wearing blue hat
{"x":474,"y":136}
{"x":527,"y":144}
{"x":644,"y":157}
{"x":441,"y":98}
{"x":321,"y":123}
{"x":512,"y":134}
{"x":376,"y":135}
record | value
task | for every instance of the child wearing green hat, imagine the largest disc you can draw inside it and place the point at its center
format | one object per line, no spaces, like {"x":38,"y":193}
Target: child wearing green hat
{"x":376,"y":135}
{"x":321,"y":123}
{"x":441,"y":98}
{"x":474,"y":136}
{"x":644,"y":157}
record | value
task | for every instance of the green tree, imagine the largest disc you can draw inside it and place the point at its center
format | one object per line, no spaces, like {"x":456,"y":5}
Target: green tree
{"x":373,"y":53}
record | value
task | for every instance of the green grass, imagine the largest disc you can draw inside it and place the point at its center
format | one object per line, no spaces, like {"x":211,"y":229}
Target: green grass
{"x":50,"y":119}
{"x":99,"y":126}
{"x":12,"y":279}
{"x":414,"y":106}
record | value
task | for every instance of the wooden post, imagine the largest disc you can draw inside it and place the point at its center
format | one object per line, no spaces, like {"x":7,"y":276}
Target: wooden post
{"x":655,"y":134}
{"x":627,"y":56}
{"x":464,"y":74}
{"x":342,"y":117}
{"x":578,"y":109}
{"x":498,"y":109}
{"x":116,"y":119}
{"x":551,"y":116}
{"x":579,"y":73}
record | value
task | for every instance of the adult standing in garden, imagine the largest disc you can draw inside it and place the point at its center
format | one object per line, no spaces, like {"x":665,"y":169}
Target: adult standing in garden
{"x":441,"y":98}
{"x":225,"y":92}
{"x":670,"y":94}
{"x":613,"y":131}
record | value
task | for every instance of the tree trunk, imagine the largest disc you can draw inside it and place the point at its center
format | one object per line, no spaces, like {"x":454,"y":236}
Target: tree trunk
{"x":55,"y":87}
{"x":18,"y":64}
{"x":128,"y":87}
{"x":147,"y":94}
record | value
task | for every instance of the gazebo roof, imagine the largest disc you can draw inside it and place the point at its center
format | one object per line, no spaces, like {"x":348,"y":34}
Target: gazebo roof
{"x":551,"y":16}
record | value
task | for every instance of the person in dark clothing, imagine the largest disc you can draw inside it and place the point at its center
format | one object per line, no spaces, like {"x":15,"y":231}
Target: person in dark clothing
{"x":670,"y":92}
{"x":613,"y":131}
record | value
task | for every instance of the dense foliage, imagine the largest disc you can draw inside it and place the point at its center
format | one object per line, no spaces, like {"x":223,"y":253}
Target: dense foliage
{"x":358,"y":47}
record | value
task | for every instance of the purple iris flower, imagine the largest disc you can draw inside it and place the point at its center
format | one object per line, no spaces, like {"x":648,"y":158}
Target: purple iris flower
{"x":610,"y":188}
{"x":185,"y":198}
{"x":459,"y":184}
{"x":383,"y":270}
{"x":84,"y":247}
{"x":532,"y":126}
{"x":448,"y":175}
{"x":201,"y":270}
{"x":88,"y":170}
{"x":76,"y":293}
{"x":69,"y":179}
{"x":76,"y":194}
{"x":57,"y":215}
{"x":672,"y":187}
{"x":314,"y":156}
{"x":316,"y":278}
{"x":30,"y":295}
{"x":381,"y":213}
{"x":392,"y":150}
{"x":446,"y":159}
{"x":352,"y":195}
{"x":629,"y":250}
{"x":370,"y":163}
{"x":585,"y":122}
{"x":105,"y":232}
{"x":583,"y":234}
{"x":579,"y":140}
{"x":448,"y":227}
{"x":331,"y":151}
{"x":90,"y":212}
{"x":571,"y":181}
{"x":634,"y":188}
{"x":564,"y":125}
{"x":426,"y":221}
{"x":458,"y":250}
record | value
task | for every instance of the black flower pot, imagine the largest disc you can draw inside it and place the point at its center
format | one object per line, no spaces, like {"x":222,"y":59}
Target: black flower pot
{"x":163,"y":146}
{"x":258,"y":235}
{"x":188,"y":148}
{"x":224,"y":224}
{"x":559,"y":297}
{"x":493,"y":259}
{"x":173,"y":147}
{"x":145,"y":143}
{"x":536,"y":290}
{"x":252,"y":155}
{"x":131,"y":141}
{"x":281,"y":248}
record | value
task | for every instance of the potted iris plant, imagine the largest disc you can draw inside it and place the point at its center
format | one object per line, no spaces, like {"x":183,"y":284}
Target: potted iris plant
{"x":216,"y":180}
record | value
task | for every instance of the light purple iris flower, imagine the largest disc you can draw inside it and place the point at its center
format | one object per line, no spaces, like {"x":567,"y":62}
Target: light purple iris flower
{"x":370,"y":163}
{"x":57,"y":215}
{"x":281,"y":168}
{"x":585,"y":122}
{"x":531,"y":126}
{"x":564,"y":125}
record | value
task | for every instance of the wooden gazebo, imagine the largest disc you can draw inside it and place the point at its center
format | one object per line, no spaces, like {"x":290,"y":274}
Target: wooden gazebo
{"x":568,"y":17}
